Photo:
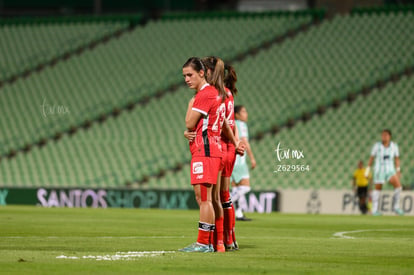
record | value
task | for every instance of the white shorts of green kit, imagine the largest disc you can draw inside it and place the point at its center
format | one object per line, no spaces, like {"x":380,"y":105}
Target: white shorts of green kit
{"x":382,"y":177}
{"x":240,"y":172}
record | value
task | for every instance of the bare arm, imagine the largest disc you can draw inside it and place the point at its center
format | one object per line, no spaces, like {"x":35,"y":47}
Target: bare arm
{"x":191,"y":117}
{"x":228,"y":133}
{"x":249,"y":152}
{"x":190,"y":135}
{"x":397,"y":166}
{"x":368,"y":169}
{"x":236,"y":132}
{"x":189,"y":107}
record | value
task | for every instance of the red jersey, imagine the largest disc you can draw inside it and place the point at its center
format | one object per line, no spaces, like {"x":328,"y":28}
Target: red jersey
{"x":229,"y":103}
{"x":208,"y":129}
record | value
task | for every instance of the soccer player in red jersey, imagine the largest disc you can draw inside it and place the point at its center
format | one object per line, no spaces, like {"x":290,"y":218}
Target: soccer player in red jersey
{"x":224,"y":210}
{"x":206,"y":116}
{"x":229,"y":160}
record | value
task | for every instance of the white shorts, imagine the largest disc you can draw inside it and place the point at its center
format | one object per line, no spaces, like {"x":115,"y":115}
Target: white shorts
{"x":240,"y":172}
{"x":382,"y":177}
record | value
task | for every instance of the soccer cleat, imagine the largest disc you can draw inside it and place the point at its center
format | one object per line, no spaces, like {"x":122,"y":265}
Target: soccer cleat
{"x":377,"y":214}
{"x":236,"y":245}
{"x":230,"y":247}
{"x":196,"y":247}
{"x":399,"y":211}
{"x":220,"y":248}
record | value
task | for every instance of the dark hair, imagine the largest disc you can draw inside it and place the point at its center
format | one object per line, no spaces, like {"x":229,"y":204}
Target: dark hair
{"x":197,"y":64}
{"x":238,"y":108}
{"x":216,"y":66}
{"x":387,"y":131}
{"x":230,"y":78}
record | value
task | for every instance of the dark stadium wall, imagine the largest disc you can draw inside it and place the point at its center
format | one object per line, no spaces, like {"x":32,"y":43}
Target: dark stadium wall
{"x":70,"y":7}
{"x":344,"y":6}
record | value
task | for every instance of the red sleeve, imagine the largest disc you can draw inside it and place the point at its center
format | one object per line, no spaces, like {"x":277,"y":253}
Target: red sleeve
{"x":202,"y":104}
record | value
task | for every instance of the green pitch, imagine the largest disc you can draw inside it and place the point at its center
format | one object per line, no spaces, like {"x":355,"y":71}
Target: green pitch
{"x":32,"y":239}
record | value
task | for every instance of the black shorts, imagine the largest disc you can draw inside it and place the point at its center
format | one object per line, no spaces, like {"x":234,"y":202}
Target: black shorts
{"x":362,"y":192}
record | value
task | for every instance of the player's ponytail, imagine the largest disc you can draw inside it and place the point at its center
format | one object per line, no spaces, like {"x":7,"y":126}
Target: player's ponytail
{"x":216,"y":77}
{"x":230,"y":79}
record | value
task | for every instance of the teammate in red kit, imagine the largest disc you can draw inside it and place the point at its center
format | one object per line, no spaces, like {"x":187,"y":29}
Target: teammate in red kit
{"x":206,"y":116}
{"x":229,"y":159}
{"x":224,"y":211}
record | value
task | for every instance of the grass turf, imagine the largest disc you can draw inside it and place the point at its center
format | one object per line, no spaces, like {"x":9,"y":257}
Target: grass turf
{"x":31,"y":238}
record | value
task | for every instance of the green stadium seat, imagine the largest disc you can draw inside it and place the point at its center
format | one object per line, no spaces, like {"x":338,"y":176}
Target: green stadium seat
{"x":282,"y":82}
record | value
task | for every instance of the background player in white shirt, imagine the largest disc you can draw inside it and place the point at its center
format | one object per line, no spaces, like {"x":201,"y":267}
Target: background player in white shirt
{"x":386,"y":154}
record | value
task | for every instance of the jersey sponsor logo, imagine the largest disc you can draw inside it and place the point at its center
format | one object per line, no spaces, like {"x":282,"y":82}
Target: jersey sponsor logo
{"x":199,"y":177}
{"x":198,"y":168}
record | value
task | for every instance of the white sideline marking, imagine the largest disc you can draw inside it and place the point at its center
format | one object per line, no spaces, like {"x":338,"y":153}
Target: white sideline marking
{"x":344,"y":233}
{"x":118,"y":255}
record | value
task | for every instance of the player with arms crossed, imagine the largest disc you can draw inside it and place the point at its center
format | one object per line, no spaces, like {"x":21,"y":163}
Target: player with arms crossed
{"x":224,"y":211}
{"x":386,"y":154}
{"x":206,"y":116}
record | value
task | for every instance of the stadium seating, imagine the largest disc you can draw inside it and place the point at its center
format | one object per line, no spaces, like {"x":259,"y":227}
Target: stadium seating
{"x":332,"y":144}
{"x":138,"y":64}
{"x":338,"y":57}
{"x":335,"y":142}
{"x":293,"y":77}
{"x":24,"y":46}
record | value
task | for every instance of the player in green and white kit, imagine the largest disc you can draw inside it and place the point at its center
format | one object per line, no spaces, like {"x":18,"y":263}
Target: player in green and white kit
{"x":386,"y":154}
{"x":240,"y":177}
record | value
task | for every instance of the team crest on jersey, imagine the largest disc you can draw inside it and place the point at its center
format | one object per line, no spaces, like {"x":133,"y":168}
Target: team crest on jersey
{"x":198,"y":168}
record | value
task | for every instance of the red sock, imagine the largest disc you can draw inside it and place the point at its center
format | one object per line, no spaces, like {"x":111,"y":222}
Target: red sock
{"x":233,"y":222}
{"x":228,"y":229}
{"x":203,"y":233}
{"x":219,"y":231}
{"x":225,"y":196}
{"x":212,"y":235}
{"x":227,"y":223}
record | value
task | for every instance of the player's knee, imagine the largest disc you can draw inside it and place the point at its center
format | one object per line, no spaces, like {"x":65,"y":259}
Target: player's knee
{"x":198,"y":199}
{"x":216,"y":201}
